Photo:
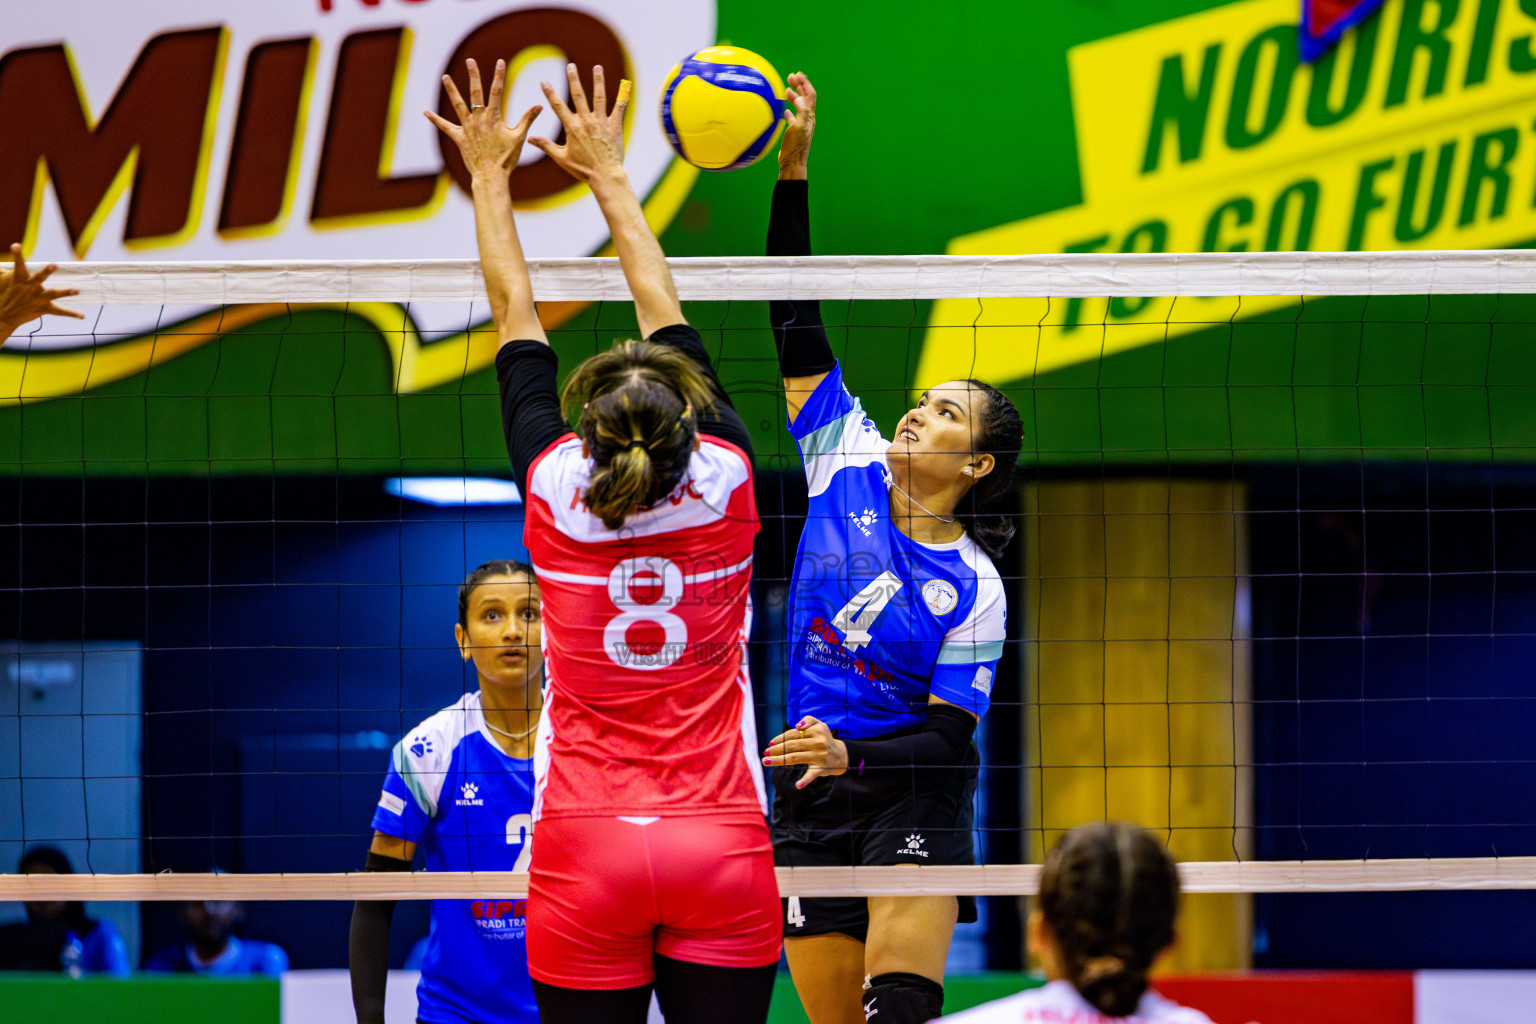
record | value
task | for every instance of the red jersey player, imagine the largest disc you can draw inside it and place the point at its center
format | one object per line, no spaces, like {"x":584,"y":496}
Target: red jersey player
{"x":653,"y":865}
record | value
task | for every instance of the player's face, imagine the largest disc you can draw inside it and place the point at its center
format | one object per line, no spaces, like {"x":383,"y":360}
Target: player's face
{"x":938,"y":436}
{"x":505,"y":625}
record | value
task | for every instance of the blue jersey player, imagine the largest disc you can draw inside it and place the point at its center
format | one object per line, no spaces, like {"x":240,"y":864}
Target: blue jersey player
{"x":460,"y":786}
{"x":896,"y":624}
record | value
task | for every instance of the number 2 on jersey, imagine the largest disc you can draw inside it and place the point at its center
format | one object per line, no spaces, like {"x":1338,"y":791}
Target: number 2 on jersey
{"x":520,"y":831}
{"x":858,"y":616}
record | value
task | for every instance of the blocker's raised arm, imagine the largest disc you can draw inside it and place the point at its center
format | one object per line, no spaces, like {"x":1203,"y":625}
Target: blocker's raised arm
{"x":490,"y":148}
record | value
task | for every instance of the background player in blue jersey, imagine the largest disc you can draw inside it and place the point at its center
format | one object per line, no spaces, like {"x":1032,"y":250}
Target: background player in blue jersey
{"x":57,"y":935}
{"x":460,"y":785}
{"x":895,"y":625}
{"x":214,"y":948}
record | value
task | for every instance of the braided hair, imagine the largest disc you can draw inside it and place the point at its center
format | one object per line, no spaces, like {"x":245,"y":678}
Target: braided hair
{"x":639,"y":403}
{"x":1000,"y":433}
{"x":483,"y":572}
{"x":1109,"y":893}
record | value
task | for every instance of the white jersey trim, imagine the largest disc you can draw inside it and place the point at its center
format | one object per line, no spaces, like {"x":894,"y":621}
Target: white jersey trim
{"x":423,"y":755}
{"x":561,"y":476}
{"x":749,"y":745}
{"x":602,"y":581}
{"x":541,"y":741}
{"x":980,"y":637}
{"x":851,"y":441}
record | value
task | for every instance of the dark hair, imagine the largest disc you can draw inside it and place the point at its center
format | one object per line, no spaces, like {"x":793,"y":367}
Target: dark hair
{"x":1109,"y":893}
{"x":495,"y":567}
{"x":999,"y":433}
{"x":54,"y":858}
{"x":639,"y":424}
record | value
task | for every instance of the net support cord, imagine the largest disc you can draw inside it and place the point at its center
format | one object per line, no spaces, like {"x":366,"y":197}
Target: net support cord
{"x":1085,"y":275}
{"x":932,"y":880}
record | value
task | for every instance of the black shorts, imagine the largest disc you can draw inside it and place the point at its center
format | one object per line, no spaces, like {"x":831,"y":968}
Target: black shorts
{"x":854,"y":820}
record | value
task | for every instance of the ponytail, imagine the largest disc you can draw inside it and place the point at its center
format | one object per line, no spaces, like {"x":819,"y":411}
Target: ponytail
{"x":1000,"y":433}
{"x":1109,"y":893}
{"x":638,"y":417}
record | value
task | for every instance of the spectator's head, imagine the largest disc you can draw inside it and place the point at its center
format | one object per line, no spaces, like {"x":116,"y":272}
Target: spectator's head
{"x":210,"y":922}
{"x":639,"y":402}
{"x":1109,"y":893}
{"x":501,"y":624}
{"x":49,"y":860}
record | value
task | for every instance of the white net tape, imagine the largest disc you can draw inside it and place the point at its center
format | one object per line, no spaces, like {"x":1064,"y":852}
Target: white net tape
{"x":936,"y":880}
{"x":824,"y":277}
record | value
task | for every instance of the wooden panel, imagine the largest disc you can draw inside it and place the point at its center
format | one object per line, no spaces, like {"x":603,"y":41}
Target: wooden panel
{"x":1137,"y":679}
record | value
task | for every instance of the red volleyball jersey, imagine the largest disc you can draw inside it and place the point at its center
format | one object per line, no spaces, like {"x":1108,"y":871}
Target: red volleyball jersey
{"x":647,"y":700}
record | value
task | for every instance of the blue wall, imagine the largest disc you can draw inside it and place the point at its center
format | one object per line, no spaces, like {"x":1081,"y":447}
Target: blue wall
{"x":1394,"y":620}
{"x":293,"y":629}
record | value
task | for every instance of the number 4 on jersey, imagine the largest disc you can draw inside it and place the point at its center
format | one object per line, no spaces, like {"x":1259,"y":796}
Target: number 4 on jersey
{"x":858,"y":616}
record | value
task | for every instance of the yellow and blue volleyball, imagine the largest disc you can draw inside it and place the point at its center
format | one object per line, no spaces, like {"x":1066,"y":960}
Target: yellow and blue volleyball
{"x":722,"y":108}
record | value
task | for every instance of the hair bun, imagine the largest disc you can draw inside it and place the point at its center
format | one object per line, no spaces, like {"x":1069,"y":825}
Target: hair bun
{"x":1100,"y":967}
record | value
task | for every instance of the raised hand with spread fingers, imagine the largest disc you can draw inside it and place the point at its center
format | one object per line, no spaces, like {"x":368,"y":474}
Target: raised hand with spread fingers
{"x":23,"y":297}
{"x":594,"y":135}
{"x":594,"y":153}
{"x":490,"y":148}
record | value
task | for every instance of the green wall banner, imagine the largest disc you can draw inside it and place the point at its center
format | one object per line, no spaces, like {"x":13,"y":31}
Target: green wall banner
{"x":143,"y":999}
{"x":292,"y":130}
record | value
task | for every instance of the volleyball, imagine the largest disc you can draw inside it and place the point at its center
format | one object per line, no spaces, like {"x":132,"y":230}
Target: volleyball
{"x":721,"y":108}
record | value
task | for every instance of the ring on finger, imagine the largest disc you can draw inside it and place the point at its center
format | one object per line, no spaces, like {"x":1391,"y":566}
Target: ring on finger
{"x":476,"y":106}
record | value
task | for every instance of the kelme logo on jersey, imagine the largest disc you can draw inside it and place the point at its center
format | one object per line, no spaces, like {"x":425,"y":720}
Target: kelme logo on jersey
{"x":865,"y":520}
{"x":940,"y":596}
{"x":914,"y":847}
{"x":470,"y":796}
{"x":420,"y":746}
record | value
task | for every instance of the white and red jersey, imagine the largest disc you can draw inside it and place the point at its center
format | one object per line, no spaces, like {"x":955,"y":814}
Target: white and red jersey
{"x":1059,"y":1003}
{"x":648,"y":704}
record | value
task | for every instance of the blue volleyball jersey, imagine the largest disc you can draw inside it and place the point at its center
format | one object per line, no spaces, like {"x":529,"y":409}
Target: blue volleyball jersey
{"x":241,"y":957}
{"x":451,"y":789}
{"x":878,"y":621}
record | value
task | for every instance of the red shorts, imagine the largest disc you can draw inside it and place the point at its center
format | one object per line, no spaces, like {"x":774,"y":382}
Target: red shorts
{"x":606,"y":895}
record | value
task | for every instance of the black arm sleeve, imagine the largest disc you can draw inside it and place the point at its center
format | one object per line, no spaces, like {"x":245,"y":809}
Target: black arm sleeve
{"x":530,"y":403}
{"x":942,"y":742}
{"x":368,"y":946}
{"x":798,"y":333}
{"x":723,"y":421}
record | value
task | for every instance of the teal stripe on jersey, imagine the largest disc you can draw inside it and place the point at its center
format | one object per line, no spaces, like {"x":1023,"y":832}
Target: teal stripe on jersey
{"x":970,"y":654}
{"x":412,"y":782}
{"x":826,"y":439}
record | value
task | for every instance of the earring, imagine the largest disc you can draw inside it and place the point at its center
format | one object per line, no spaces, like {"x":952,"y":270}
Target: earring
{"x":968,"y":471}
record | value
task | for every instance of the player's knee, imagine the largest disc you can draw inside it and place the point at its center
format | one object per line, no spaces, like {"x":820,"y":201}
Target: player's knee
{"x":899,"y":998}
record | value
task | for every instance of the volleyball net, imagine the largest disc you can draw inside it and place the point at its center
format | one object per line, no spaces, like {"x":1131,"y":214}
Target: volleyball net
{"x":1272,"y":594}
